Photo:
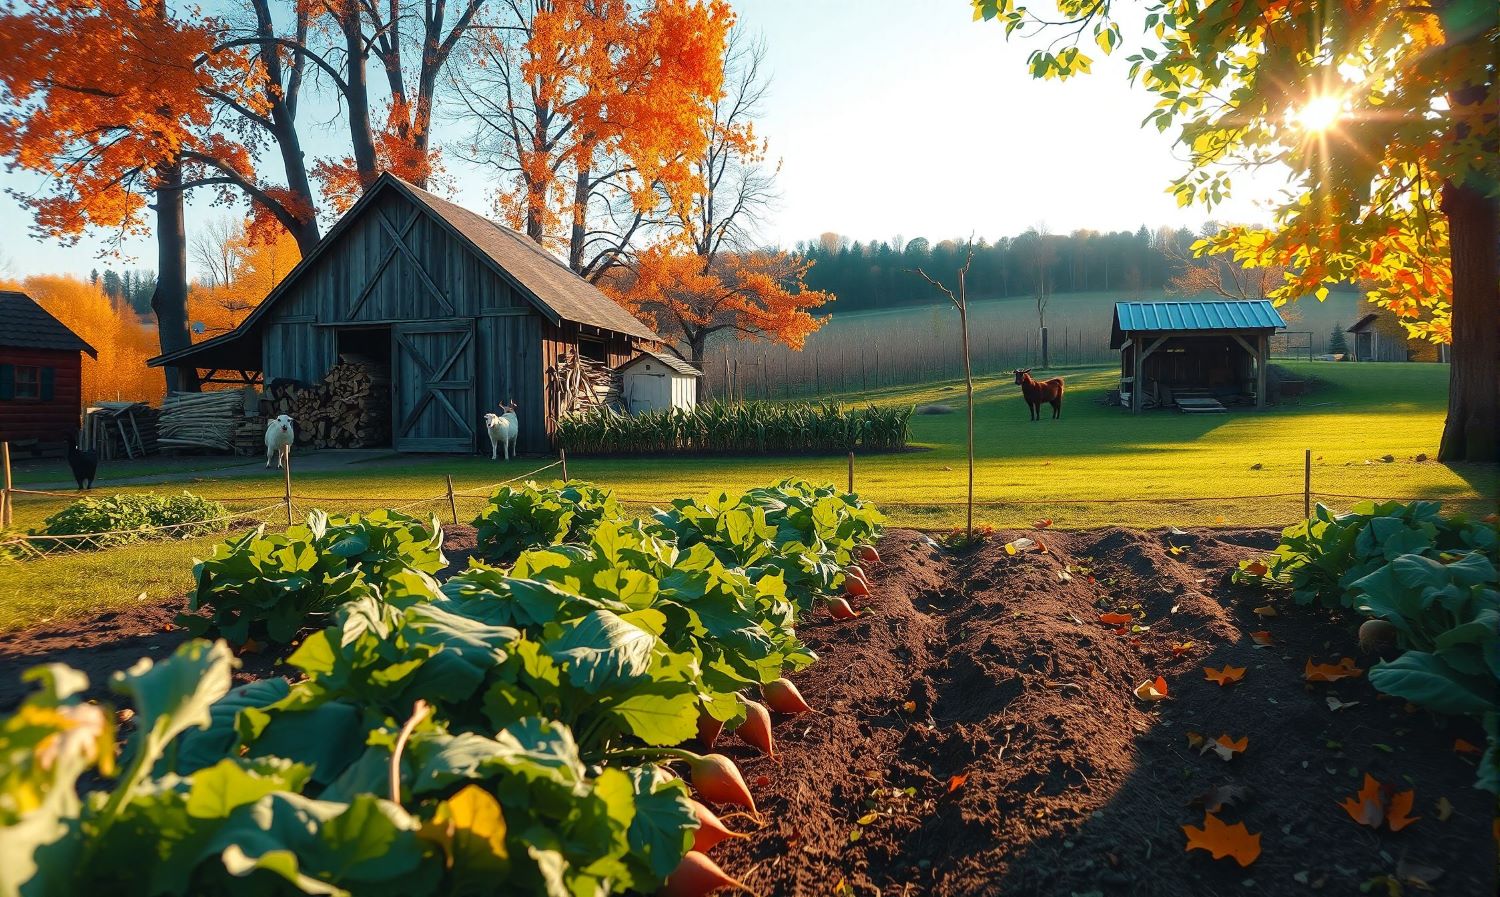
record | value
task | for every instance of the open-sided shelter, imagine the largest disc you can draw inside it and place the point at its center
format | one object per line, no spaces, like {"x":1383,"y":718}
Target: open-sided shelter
{"x":1197,"y":356}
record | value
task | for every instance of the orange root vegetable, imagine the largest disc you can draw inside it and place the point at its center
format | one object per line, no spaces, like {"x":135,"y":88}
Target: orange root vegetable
{"x":718,"y":780}
{"x":756,"y":729}
{"x":711,"y":830}
{"x":857,"y":572}
{"x":697,"y":876}
{"x":868,"y":554}
{"x":855,"y":587}
{"x":783,"y":697}
{"x":709,"y":728}
{"x":839,"y":609}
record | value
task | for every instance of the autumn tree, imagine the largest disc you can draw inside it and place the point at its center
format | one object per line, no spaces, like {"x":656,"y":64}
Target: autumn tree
{"x":256,"y":262}
{"x":112,"y":102}
{"x":589,"y":111}
{"x":1385,"y":113}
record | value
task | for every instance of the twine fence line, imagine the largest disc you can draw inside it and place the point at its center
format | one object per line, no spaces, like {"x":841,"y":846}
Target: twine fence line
{"x":29,"y":545}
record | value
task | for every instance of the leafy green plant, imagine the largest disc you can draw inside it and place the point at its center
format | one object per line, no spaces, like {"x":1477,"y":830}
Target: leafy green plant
{"x":532,"y":515}
{"x":739,"y":428}
{"x":1321,"y":557}
{"x":270,"y":585}
{"x":114,"y":516}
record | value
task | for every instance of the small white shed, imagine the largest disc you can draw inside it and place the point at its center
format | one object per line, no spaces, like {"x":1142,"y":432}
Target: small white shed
{"x":653,"y":381}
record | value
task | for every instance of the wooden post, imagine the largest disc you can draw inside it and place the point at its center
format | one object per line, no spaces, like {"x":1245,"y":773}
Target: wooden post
{"x":452,"y":502}
{"x":562,"y":455}
{"x":851,"y":472}
{"x":1306,"y":483}
{"x":286,"y":476}
{"x":1137,"y":399}
{"x":6,"y":514}
{"x":1262,"y":352}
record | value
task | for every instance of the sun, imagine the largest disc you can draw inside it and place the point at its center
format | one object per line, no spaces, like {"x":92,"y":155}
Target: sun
{"x":1320,"y":113}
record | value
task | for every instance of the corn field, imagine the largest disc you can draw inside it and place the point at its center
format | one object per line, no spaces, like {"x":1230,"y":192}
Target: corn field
{"x":751,"y":428}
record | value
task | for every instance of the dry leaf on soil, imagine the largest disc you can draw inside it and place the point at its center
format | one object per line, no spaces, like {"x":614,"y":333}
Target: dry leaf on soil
{"x":1336,"y":704}
{"x":1376,"y":803}
{"x":1222,"y":840}
{"x":1113,"y":619}
{"x":1444,"y":809}
{"x":1152,"y":690}
{"x":1266,"y":610}
{"x":1262,"y":638}
{"x":957,"y":782}
{"x":1181,"y":649}
{"x":1226,"y":676}
{"x":1220,"y":796}
{"x":1463,"y":747}
{"x":1330,"y":672}
{"x":1227,"y":747}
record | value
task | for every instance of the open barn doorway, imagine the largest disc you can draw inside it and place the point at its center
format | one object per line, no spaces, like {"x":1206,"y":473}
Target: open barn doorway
{"x":369,"y":349}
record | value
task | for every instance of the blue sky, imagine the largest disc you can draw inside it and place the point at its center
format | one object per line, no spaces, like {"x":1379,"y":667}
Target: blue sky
{"x":889,"y":117}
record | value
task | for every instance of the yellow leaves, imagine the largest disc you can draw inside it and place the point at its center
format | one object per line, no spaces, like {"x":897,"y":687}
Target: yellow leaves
{"x":1181,"y":648}
{"x":1228,"y":675}
{"x":470,"y":828}
{"x":1151,"y":691}
{"x":1220,"y":840}
{"x":1376,"y":803}
{"x":1330,"y":672}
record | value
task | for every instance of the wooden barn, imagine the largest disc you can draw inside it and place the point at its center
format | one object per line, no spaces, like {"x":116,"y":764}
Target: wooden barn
{"x":463,"y":312}
{"x":1379,"y":336}
{"x":1194,"y":356}
{"x":41,"y":377}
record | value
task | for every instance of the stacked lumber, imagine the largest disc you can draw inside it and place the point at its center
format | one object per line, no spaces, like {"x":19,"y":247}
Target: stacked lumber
{"x":206,"y":420}
{"x":578,"y":383}
{"x":350,"y":408}
{"x":121,"y":430}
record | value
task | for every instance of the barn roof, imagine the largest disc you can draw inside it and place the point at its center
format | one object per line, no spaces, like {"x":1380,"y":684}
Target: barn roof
{"x":545,"y":282}
{"x":1137,"y":318}
{"x":26,"y":325}
{"x":672,"y":362}
{"x":1362,"y":324}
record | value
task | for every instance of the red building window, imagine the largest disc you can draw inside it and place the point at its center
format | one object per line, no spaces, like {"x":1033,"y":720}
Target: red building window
{"x":28,"y":382}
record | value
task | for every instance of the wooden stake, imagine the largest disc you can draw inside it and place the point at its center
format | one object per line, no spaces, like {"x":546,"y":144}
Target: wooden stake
{"x":851,"y":473}
{"x":5,"y":496}
{"x":286,"y":476}
{"x":452,"y":502}
{"x":1306,"y":483}
{"x":562,"y":455}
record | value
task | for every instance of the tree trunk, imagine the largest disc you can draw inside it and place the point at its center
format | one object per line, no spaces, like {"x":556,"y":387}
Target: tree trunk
{"x":282,"y":98}
{"x":1472,"y":431}
{"x":579,"y":233}
{"x":169,"y":301}
{"x":361,"y":134}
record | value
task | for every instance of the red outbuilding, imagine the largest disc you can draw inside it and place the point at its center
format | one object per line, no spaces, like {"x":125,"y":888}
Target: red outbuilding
{"x":41,"y":377}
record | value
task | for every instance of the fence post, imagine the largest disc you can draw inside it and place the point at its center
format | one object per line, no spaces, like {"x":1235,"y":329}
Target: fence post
{"x":452,"y":502}
{"x":286,"y":476}
{"x":851,"y":472}
{"x":5,"y":496}
{"x":562,"y":456}
{"x":1306,"y":483}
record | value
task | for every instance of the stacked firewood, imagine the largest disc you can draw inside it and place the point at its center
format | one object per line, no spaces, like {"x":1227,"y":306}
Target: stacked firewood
{"x":350,"y":408}
{"x":200,"y":419}
{"x":120,"y":430}
{"x":577,"y":383}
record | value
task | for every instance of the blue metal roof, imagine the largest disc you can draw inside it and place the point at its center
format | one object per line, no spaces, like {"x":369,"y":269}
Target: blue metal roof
{"x":1192,"y":317}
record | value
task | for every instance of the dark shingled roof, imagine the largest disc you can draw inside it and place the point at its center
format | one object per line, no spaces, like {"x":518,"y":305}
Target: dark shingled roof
{"x":672,"y":362}
{"x":26,"y":325}
{"x":569,"y":296}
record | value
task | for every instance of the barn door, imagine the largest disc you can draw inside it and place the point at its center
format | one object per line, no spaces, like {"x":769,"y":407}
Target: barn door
{"x":435,"y":382}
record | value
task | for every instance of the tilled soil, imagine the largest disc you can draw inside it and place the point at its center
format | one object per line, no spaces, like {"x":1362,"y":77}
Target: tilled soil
{"x":976,"y":732}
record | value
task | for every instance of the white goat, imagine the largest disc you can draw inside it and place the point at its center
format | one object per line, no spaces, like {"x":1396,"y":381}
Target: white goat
{"x":279,"y":438}
{"x":502,"y":429}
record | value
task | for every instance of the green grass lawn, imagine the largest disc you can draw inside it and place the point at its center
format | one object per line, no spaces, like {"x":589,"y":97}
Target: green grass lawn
{"x":1097,"y":466}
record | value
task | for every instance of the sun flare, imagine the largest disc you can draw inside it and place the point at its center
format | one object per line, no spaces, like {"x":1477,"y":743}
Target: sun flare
{"x":1320,"y":113}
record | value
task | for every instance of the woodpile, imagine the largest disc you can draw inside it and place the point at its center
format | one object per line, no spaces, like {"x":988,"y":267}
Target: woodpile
{"x":121,"y":430}
{"x":350,"y":408}
{"x":577,"y":383}
{"x":206,"y":420}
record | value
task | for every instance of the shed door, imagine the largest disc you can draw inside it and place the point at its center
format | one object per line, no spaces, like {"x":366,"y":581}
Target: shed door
{"x":435,"y":386}
{"x":649,"y":392}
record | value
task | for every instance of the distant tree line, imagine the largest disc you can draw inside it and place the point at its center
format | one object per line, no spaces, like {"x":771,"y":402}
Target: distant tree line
{"x":881,"y":274}
{"x":134,"y":288}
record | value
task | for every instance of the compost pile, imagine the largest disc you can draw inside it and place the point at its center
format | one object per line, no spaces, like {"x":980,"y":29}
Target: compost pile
{"x":978,"y":734}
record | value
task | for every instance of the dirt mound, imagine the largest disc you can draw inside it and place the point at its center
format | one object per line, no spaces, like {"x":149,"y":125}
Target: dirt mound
{"x":977,"y":734}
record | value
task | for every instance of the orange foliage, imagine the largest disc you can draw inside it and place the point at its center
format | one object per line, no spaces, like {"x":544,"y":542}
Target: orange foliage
{"x":1376,"y":803}
{"x":1225,"y":676}
{"x":122,"y":340}
{"x":257,"y":268}
{"x":1330,"y":672}
{"x":760,"y":295}
{"x":1222,"y":840}
{"x":97,"y":94}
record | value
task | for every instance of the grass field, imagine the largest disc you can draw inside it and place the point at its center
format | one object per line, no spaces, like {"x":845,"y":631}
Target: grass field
{"x":1097,"y":466}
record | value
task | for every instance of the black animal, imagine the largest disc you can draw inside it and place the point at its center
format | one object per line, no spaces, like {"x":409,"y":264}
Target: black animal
{"x":84,"y":464}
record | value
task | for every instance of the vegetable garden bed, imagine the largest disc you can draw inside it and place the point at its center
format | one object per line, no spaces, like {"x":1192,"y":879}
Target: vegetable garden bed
{"x":977,"y":732}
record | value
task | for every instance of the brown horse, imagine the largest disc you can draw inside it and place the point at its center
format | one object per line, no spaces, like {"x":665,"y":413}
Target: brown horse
{"x":1037,"y":392}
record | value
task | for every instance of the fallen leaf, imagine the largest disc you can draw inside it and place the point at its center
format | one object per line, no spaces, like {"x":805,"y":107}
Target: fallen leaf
{"x":1113,"y":619}
{"x":1177,"y":549}
{"x":910,"y":706}
{"x":1463,"y":747}
{"x":1376,"y":803}
{"x":1417,"y":875}
{"x":957,"y":782}
{"x":1266,"y":611}
{"x":1257,"y":568}
{"x":1226,"y":676}
{"x":1064,"y":576}
{"x":1262,"y":638}
{"x":1398,"y":810}
{"x":1444,"y":809}
{"x":1220,"y":796}
{"x":762,"y":781}
{"x":1044,"y":523}
{"x":1330,"y":672}
{"x":1222,"y":840}
{"x":1181,"y":649}
{"x":1227,"y":747}
{"x":1336,"y":704}
{"x":867,"y":819}
{"x":1195,"y":740}
{"x":1152,"y":690}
